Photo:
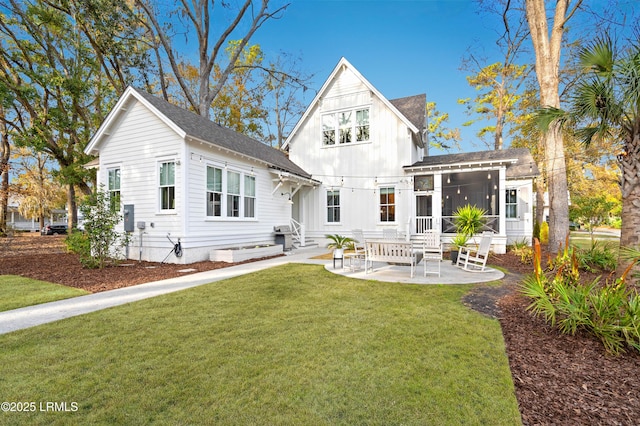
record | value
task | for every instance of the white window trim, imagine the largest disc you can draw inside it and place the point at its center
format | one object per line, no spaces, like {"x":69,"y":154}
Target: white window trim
{"x":506,"y":204}
{"x":395,"y":203}
{"x":109,"y":191}
{"x":159,"y":163}
{"x":223,"y":202}
{"x":326,"y":206}
{"x":353,"y":127}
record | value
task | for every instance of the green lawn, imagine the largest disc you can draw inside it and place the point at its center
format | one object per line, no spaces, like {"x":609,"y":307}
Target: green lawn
{"x":16,"y":292}
{"x":292,"y":345}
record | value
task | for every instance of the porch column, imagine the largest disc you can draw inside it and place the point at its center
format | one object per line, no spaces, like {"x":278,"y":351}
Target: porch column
{"x":436,"y":206}
{"x":502,"y":185}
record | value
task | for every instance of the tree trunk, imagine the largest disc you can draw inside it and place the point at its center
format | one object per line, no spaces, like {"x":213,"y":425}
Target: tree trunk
{"x":547,"y":47}
{"x":630,"y":232}
{"x":72,"y":208}
{"x":539,"y":202}
{"x":4,"y":176}
{"x":557,"y":188}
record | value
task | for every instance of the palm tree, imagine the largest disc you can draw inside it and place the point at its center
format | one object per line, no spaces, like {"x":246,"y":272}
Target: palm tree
{"x":606,"y":105}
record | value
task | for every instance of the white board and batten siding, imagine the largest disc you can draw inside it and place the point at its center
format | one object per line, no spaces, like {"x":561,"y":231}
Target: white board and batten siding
{"x":357,"y":169}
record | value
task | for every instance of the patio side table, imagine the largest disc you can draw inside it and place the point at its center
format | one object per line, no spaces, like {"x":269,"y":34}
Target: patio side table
{"x":354,"y":261}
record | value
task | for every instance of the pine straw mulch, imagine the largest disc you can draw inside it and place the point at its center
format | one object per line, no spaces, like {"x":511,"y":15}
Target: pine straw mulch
{"x":558,"y":379}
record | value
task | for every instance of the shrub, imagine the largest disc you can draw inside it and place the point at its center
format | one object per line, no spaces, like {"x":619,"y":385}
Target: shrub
{"x":610,"y":312}
{"x":544,"y":233}
{"x":469,"y":219}
{"x":599,"y":257}
{"x":523,"y":249}
{"x":103,"y":242}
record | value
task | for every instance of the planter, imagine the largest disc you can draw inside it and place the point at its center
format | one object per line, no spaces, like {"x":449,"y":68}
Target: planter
{"x":240,"y":254}
{"x":338,"y":253}
{"x":453,"y":254}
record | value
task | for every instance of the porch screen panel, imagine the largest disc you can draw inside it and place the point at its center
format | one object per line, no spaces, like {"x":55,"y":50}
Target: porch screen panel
{"x":387,"y":205}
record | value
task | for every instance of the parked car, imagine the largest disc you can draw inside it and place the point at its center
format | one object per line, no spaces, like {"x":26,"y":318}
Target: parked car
{"x":53,"y":230}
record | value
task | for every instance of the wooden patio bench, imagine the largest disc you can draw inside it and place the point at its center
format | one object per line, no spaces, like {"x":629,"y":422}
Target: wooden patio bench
{"x":396,"y":252}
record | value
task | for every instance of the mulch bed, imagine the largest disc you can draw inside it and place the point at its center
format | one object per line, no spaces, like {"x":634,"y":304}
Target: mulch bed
{"x":558,"y":379}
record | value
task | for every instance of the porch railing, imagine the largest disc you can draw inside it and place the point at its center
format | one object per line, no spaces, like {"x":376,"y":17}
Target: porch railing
{"x":424,"y":224}
{"x":297,"y":233}
{"x":492,"y":224}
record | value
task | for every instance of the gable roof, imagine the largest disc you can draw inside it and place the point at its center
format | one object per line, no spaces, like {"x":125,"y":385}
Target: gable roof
{"x":413,"y":107}
{"x":416,"y":127}
{"x":190,"y":125}
{"x":519,"y":162}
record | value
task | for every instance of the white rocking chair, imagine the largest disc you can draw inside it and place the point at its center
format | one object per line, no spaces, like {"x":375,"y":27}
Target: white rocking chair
{"x":472,"y":259}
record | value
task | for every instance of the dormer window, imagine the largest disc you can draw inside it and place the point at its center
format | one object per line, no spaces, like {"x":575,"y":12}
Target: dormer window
{"x":345,"y":127}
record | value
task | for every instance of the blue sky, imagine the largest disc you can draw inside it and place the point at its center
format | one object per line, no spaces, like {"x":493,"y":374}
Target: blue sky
{"x":403,"y":48}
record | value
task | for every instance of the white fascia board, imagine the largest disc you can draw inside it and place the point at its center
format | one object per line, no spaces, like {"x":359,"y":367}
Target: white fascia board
{"x":120,"y":108}
{"x":463,"y":166}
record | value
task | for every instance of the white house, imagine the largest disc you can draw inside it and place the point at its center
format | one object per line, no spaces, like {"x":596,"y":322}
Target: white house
{"x":371,"y":156}
{"x":178,"y":175}
{"x":355,"y":161}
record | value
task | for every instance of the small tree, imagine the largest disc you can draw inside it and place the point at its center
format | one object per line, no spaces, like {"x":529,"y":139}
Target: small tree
{"x":100,"y":241}
{"x":592,"y":210}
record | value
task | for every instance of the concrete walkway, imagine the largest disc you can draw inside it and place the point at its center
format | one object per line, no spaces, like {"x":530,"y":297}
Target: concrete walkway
{"x":31,"y":316}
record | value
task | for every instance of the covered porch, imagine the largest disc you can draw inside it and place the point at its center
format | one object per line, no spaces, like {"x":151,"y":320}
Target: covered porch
{"x":490,"y":180}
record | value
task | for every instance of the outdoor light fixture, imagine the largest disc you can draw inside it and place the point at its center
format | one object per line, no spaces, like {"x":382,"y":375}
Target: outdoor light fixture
{"x":458,"y":189}
{"x":489,"y":176}
{"x":288,"y":194}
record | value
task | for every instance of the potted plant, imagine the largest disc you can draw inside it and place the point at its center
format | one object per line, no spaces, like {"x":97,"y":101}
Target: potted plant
{"x":468,"y":221}
{"x":460,"y":240}
{"x":338,"y":244}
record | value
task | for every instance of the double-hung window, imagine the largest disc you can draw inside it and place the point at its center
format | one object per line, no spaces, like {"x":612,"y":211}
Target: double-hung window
{"x":113,"y":188}
{"x":249,"y":196}
{"x":168,"y":185}
{"x":233,"y":194}
{"x":345,"y":127}
{"x":387,"y":204}
{"x":511,"y":204}
{"x":362,"y":125}
{"x":333,"y":206}
{"x":214,"y":191}
{"x":230,"y":193}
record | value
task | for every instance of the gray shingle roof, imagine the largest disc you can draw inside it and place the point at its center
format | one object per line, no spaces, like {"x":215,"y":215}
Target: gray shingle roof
{"x":522,"y":168}
{"x":206,"y":130}
{"x":412,"y":107}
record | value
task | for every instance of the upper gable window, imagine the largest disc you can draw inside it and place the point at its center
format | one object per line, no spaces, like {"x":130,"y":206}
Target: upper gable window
{"x":345,"y":127}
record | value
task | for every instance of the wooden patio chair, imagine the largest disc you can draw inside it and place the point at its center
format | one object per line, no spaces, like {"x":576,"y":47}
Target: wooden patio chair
{"x":475,"y":259}
{"x":358,"y":236}
{"x":431,"y":250}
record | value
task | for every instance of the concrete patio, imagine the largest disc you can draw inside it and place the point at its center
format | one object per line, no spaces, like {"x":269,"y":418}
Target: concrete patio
{"x":449,"y":274}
